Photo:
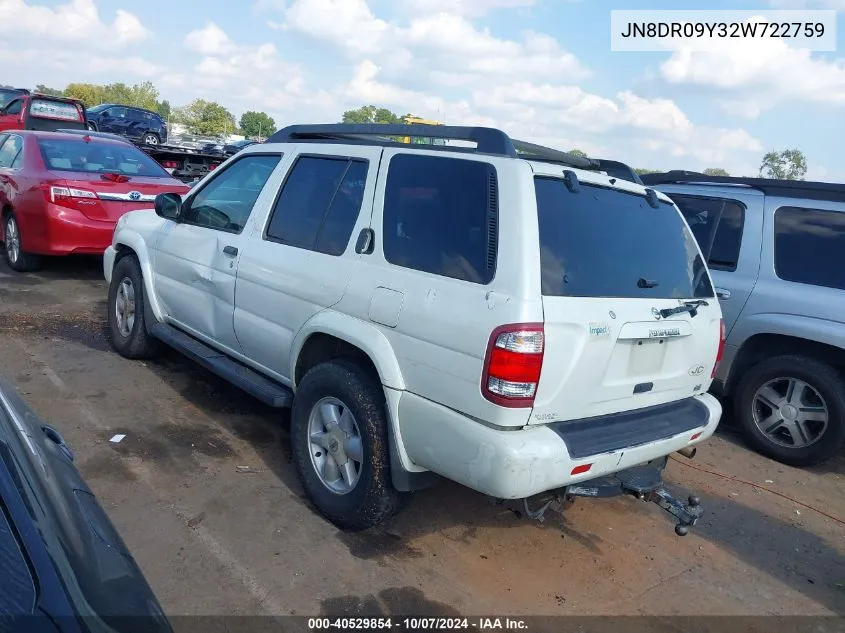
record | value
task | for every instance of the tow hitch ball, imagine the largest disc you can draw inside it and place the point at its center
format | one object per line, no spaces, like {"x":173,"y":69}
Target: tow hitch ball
{"x":687,"y":515}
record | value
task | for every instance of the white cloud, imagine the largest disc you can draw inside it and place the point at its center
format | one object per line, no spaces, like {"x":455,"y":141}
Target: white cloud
{"x":470,"y":8}
{"x":76,"y":21}
{"x":759,"y":74}
{"x":209,"y":40}
{"x":839,"y":5}
{"x":434,"y":41}
{"x":347,"y":23}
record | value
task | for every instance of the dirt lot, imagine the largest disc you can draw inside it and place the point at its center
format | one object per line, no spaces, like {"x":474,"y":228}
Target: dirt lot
{"x":213,"y":539}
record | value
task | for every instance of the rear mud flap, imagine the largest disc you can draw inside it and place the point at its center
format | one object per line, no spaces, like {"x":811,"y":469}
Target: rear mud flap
{"x":644,"y":482}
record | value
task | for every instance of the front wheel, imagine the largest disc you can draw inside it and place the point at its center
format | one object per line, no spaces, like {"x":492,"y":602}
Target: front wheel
{"x":150,"y":139}
{"x":340,"y":445}
{"x":91,"y":126}
{"x":17,"y":259}
{"x":127,"y":327}
{"x":792,"y":409}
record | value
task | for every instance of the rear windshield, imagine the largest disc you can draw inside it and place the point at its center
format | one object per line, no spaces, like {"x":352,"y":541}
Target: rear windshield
{"x":600,"y":242}
{"x":7,"y":94}
{"x":59,"y":110}
{"x":98,"y":157}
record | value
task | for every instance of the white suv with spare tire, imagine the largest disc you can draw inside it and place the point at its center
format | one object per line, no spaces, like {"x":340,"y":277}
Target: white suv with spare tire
{"x":513,"y":318}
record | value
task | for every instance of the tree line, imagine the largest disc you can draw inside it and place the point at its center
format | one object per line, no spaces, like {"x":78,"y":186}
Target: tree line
{"x":210,"y":118}
{"x":199,"y":116}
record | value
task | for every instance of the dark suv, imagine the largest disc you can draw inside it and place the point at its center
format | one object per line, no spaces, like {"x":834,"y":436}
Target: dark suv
{"x":134,"y":123}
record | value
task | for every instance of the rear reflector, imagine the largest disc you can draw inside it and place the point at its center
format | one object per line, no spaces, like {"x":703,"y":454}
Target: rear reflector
{"x":583,"y":468}
{"x":695,"y":437}
{"x":513,"y":364}
{"x":721,"y":348}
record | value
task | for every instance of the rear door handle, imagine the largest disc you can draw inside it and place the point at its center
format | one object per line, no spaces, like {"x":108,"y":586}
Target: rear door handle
{"x":231,"y":251}
{"x":723,"y":293}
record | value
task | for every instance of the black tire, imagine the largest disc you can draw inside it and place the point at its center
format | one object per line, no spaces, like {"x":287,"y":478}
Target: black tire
{"x":373,"y":499}
{"x":91,"y":126}
{"x":138,"y":343}
{"x":150,"y":138}
{"x":16,"y":258}
{"x":829,"y":384}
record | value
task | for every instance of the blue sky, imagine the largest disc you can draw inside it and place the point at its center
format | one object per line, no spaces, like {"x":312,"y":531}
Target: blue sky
{"x":541,"y":69}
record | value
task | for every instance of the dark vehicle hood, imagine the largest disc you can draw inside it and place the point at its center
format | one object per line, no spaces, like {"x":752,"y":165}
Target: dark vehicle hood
{"x":87,"y":579}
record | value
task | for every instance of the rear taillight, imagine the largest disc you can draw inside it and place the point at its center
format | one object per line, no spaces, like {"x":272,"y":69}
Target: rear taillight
{"x":721,"y":348}
{"x":170,"y":164}
{"x":513,"y":364}
{"x":69,"y":196}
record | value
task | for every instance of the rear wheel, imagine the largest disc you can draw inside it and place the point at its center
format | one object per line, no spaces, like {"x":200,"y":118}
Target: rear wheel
{"x":792,"y":409}
{"x":340,"y":445}
{"x":150,"y":139}
{"x":16,"y":258}
{"x":91,"y":126}
{"x":127,"y":326}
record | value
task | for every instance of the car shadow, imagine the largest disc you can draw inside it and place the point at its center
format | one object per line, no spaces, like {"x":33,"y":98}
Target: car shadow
{"x":80,"y":267}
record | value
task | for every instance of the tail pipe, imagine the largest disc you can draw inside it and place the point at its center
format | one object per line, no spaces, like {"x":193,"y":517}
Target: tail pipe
{"x":688,"y":452}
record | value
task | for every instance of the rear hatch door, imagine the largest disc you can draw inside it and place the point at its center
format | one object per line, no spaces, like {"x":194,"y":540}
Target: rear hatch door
{"x":618,"y":276}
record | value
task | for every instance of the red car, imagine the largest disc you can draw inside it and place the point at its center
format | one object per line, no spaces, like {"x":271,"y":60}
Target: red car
{"x":62,"y":192}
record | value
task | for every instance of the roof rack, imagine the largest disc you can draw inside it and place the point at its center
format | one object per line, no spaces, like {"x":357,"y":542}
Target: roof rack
{"x":770,"y":186}
{"x":488,"y":140}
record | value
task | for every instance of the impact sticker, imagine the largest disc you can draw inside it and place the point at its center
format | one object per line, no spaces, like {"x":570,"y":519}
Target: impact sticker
{"x":600,"y":330}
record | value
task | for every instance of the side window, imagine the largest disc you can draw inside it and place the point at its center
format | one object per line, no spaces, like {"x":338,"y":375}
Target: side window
{"x":810,"y":246}
{"x":226,"y":201}
{"x":135,"y":115}
{"x":440,"y":216}
{"x":11,"y":150}
{"x":717,"y":226}
{"x":319,"y":204}
{"x":116,"y":113}
{"x":15,"y":107}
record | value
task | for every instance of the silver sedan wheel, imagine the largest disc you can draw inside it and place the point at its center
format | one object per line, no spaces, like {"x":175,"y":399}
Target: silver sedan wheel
{"x":790,"y":412}
{"x":336,"y":448}
{"x":13,"y":240}
{"x":124,"y":307}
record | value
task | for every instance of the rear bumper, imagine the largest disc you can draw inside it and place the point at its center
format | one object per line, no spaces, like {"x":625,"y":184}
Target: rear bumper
{"x":70,"y":232}
{"x":520,"y":463}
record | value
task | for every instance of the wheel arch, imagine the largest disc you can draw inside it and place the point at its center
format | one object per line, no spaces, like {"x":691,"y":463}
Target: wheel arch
{"x":131,"y":243}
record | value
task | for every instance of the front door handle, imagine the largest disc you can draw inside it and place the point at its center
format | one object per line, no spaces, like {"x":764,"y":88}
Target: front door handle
{"x":723,"y":293}
{"x":231,"y":251}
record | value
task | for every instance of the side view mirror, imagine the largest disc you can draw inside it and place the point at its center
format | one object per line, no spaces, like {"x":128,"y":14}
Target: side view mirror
{"x":168,"y":206}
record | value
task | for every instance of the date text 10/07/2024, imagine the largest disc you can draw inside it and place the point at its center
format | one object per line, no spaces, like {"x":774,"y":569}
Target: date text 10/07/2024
{"x":417,"y":624}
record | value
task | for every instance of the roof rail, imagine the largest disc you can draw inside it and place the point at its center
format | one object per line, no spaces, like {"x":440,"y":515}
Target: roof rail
{"x":488,"y":140}
{"x":613,"y":168}
{"x":810,"y":189}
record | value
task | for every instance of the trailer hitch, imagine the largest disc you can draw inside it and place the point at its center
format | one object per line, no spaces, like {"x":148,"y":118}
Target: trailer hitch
{"x":687,"y":515}
{"x":645,"y":482}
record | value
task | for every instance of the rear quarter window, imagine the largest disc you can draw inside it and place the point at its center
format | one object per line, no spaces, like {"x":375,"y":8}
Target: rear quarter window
{"x":441,"y":216}
{"x":810,"y":246}
{"x":602,"y":242}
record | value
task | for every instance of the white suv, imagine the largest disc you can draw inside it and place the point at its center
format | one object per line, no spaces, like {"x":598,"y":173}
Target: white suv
{"x":507,"y":316}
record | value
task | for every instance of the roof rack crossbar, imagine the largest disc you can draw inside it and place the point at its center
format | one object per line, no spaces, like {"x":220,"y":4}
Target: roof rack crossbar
{"x":488,"y":140}
{"x":532,"y":151}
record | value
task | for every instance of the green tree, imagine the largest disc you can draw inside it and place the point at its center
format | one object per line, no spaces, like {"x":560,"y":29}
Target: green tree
{"x":643,"y":170}
{"x":578,"y":152}
{"x":164,"y":110}
{"x":207,"y":117}
{"x":789,"y":164}
{"x":371,"y":114}
{"x":49,"y":91}
{"x":89,"y":94}
{"x":257,"y":124}
{"x":716,"y":171}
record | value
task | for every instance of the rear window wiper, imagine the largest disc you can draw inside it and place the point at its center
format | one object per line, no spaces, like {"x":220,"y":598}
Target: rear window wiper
{"x":688,"y":306}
